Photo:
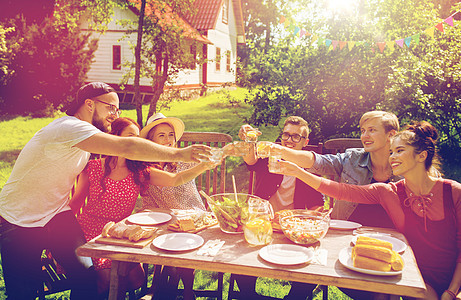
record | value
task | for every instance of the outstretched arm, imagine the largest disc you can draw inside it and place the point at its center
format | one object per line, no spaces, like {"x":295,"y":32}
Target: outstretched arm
{"x":303,"y":158}
{"x":135,"y":148}
{"x":163,"y":178}
{"x":82,"y":189}
{"x":454,"y":284}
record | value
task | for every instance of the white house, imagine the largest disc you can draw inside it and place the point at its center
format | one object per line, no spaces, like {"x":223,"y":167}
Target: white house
{"x":218,"y":25}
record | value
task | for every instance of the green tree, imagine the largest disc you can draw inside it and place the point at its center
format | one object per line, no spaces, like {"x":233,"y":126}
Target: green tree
{"x":333,"y":88}
{"x":49,"y":55}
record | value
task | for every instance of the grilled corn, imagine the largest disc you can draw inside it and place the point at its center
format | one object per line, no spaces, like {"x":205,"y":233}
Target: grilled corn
{"x":365,"y":240}
{"x":375,"y":252}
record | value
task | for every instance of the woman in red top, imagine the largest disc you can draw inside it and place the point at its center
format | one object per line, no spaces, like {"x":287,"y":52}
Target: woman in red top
{"x":111,"y":186}
{"x":423,"y":206}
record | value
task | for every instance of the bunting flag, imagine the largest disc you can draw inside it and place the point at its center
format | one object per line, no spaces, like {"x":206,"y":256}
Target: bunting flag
{"x":400,"y":42}
{"x":430,"y":31}
{"x":449,"y":21}
{"x":382,"y":45}
{"x":439,"y":27}
{"x":407,"y":41}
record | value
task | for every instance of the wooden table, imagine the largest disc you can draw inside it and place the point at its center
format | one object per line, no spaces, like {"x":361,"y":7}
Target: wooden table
{"x":237,"y":256}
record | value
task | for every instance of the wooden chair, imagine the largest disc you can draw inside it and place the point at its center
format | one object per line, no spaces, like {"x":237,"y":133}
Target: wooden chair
{"x":211,"y":182}
{"x":208,"y":181}
{"x":340,"y":145}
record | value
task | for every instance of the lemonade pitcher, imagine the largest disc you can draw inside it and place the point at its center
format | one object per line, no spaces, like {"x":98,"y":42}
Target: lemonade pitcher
{"x":258,"y":228}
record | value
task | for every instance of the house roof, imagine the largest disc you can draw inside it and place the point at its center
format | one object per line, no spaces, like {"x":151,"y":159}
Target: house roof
{"x":208,"y":13}
{"x":167,"y":17}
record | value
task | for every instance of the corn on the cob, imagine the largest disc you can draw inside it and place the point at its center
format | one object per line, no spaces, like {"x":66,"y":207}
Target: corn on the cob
{"x":365,"y":240}
{"x":397,"y":262}
{"x":370,"y":264}
{"x":375,"y":252}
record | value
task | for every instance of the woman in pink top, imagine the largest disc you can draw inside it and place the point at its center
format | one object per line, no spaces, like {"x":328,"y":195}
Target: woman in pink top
{"x":423,"y":206}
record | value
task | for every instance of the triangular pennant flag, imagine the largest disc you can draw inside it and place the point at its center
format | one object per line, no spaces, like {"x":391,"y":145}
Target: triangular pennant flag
{"x":297,"y":29}
{"x":308,"y":33}
{"x":449,"y":20}
{"x":342,"y":44}
{"x":335,"y":43}
{"x":302,"y":33}
{"x":328,"y":42}
{"x":381,"y":46}
{"x":439,"y":27}
{"x":350,"y":45}
{"x":399,"y":42}
{"x":292,"y":27}
{"x":390,"y":45}
{"x":407,"y":41}
{"x":286,"y":24}
{"x":282,"y":20}
{"x":314,"y":38}
{"x":430,"y":31}
{"x":330,"y":48}
{"x":416,"y":38}
{"x":321,"y":41}
{"x":372,"y":49}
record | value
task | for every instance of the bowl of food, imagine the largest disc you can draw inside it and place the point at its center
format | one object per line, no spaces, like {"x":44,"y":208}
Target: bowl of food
{"x":232,"y":213}
{"x":305,"y":226}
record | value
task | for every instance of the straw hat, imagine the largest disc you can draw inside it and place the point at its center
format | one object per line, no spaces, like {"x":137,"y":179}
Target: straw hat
{"x":177,"y":124}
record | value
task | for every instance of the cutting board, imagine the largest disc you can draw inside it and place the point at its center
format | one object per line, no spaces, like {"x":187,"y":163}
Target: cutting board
{"x":175,"y":227}
{"x":125,"y":242}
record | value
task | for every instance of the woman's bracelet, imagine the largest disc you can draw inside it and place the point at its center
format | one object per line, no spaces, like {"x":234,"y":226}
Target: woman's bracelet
{"x":453,"y":295}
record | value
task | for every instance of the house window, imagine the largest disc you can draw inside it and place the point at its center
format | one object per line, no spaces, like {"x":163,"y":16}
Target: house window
{"x":218,"y":59}
{"x":116,"y":57}
{"x":228,"y":61}
{"x":225,"y":11}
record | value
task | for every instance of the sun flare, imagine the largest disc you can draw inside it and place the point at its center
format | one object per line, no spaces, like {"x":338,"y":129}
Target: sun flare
{"x":341,"y":5}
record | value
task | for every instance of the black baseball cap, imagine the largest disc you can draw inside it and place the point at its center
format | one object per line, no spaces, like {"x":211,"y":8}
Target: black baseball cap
{"x":88,"y":91}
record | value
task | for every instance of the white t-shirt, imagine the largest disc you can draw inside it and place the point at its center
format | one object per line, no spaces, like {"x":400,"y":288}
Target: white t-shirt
{"x":284,"y":197}
{"x":43,"y":175}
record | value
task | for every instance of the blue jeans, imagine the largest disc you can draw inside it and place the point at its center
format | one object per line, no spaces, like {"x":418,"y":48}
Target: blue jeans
{"x":21,"y":249}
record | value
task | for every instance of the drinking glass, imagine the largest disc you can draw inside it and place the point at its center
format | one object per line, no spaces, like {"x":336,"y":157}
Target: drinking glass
{"x":216,"y":155}
{"x":241,"y":148}
{"x":263,"y":149}
{"x":251,"y":136}
{"x":274,"y":156}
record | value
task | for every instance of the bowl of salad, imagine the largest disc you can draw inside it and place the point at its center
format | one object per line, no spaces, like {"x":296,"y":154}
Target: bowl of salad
{"x":231,"y":211}
{"x":305,"y":226}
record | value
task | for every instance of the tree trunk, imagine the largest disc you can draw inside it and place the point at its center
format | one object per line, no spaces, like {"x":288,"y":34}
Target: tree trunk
{"x":159,"y":85}
{"x":137,"y":55}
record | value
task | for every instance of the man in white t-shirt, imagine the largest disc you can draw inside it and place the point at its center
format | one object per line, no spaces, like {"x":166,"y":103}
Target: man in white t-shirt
{"x":34,"y":203}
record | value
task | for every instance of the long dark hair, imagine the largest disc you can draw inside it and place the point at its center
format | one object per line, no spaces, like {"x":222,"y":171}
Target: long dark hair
{"x":140,"y":169}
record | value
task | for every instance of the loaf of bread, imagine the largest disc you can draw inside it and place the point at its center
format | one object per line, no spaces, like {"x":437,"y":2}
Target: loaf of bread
{"x":118,"y":230}
{"x":375,"y":252}
{"x":186,"y":224}
{"x":105,"y":230}
{"x":365,"y":240}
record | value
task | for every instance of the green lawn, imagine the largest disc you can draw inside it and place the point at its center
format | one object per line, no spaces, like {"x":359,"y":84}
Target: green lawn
{"x":210,"y":113}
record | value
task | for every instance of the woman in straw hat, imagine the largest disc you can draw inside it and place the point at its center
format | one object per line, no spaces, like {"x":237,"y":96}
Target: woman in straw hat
{"x":111,"y":186}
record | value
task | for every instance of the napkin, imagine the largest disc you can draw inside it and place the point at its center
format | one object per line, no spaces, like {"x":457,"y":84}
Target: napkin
{"x":320,"y":257}
{"x":211,"y":248}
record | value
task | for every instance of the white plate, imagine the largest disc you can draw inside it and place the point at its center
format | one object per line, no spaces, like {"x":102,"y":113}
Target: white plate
{"x":344,"y":225}
{"x":397,"y":245}
{"x":178,"y":241}
{"x":346,"y":260}
{"x":286,"y":254}
{"x":149,"y":218}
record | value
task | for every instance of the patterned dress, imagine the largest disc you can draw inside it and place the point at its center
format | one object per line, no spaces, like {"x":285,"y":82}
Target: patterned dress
{"x":184,"y":196}
{"x":115,"y":204}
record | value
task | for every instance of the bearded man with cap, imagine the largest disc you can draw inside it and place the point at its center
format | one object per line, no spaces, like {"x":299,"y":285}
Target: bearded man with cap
{"x":34,"y":202}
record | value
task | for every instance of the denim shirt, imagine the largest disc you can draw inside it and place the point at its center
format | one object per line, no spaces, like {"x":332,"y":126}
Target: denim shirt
{"x":351,"y":167}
